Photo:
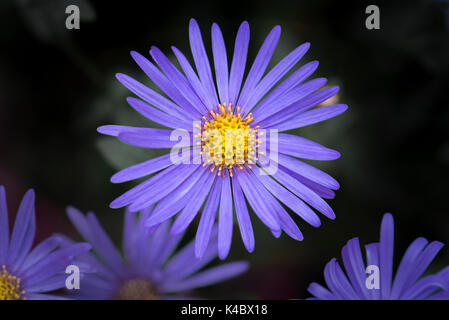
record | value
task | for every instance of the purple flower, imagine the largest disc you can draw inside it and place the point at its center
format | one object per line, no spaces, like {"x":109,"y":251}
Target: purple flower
{"x":376,"y":281}
{"x":148,"y":269}
{"x":26,"y":273}
{"x":194,"y":102}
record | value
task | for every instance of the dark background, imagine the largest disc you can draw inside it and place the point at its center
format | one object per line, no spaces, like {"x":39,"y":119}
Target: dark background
{"x":57,"y":86}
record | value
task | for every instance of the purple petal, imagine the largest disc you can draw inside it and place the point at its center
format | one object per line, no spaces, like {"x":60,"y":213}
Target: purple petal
{"x":303,"y":192}
{"x":266,"y":106}
{"x":407,"y":265}
{"x":424,"y":260}
{"x":372,"y":258}
{"x":157,"y":116}
{"x":152,"y":138}
{"x":238,"y":61}
{"x":303,"y":148}
{"x":323,"y":192}
{"x":386,"y":244}
{"x":221,"y":63}
{"x":54,"y":263}
{"x":208,"y":277}
{"x":165,"y":182}
{"x":201,"y":60}
{"x":181,"y":105}
{"x":338,"y":282}
{"x":4,"y":226}
{"x":290,"y":200}
{"x":276,"y":74}
{"x":320,"y":292}
{"x":153,"y":97}
{"x":314,"y":116}
{"x":295,"y":110}
{"x":41,"y":251}
{"x":244,"y":222}
{"x":355,"y":267}
{"x":207,"y":220}
{"x":178,"y":79}
{"x":177,"y":199}
{"x":256,"y":202}
{"x":24,"y":230}
{"x":184,"y":264}
{"x":193,"y":79}
{"x":191,"y":209}
{"x":308,"y":171}
{"x":54,"y":283}
{"x":259,"y":66}
{"x":225,"y":220}
{"x":142,"y":169}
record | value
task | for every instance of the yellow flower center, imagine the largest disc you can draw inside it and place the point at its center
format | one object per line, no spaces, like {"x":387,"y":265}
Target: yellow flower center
{"x":10,"y":286}
{"x":228,"y":140}
{"x":136,"y":289}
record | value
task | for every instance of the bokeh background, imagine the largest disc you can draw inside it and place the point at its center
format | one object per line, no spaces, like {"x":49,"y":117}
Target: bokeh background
{"x":57,"y":86}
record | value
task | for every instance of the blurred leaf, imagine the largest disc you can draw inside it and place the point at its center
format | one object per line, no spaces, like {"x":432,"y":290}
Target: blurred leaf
{"x":120,"y":155}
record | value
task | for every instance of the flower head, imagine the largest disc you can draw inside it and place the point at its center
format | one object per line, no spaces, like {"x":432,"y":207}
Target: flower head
{"x":408,"y":284}
{"x":26,"y":273}
{"x":149,"y":268}
{"x":229,"y":142}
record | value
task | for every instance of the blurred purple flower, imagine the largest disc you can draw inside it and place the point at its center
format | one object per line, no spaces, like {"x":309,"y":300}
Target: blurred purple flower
{"x":148,"y":270}
{"x":257,"y":105}
{"x":26,"y":273}
{"x":406,"y":285}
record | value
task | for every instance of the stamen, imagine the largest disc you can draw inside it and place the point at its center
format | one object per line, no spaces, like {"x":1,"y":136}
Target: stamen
{"x":228,"y":140}
{"x":10,"y":286}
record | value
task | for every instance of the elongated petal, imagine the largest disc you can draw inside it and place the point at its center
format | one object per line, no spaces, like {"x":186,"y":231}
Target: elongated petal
{"x":296,"y":109}
{"x":207,"y":219}
{"x":276,"y":74}
{"x":259,"y":66}
{"x":177,"y":199}
{"x":178,"y":79}
{"x":157,"y":116}
{"x":320,"y":292}
{"x":290,"y":200}
{"x":372,"y":259}
{"x":4,"y":226}
{"x":154,"y":138}
{"x":283,"y":177}
{"x":243,"y":219}
{"x":303,"y":148}
{"x":201,"y":60}
{"x":238,"y":61}
{"x":225,"y":220}
{"x":406,"y":266}
{"x":164,"y":183}
{"x":24,"y":229}
{"x":314,"y":116}
{"x":194,"y":81}
{"x":258,"y":205}
{"x":386,"y":254}
{"x":153,"y":97}
{"x":41,"y":251}
{"x":221,"y":63}
{"x":355,"y":267}
{"x":183,"y":107}
{"x":268,"y":105}
{"x":208,"y":277}
{"x":191,"y":209}
{"x":142,"y":169}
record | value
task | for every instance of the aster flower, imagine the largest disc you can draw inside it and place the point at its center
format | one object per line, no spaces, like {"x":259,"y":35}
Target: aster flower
{"x":408,"y":284}
{"x":149,"y":268}
{"x":222,"y":170}
{"x":26,"y":273}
